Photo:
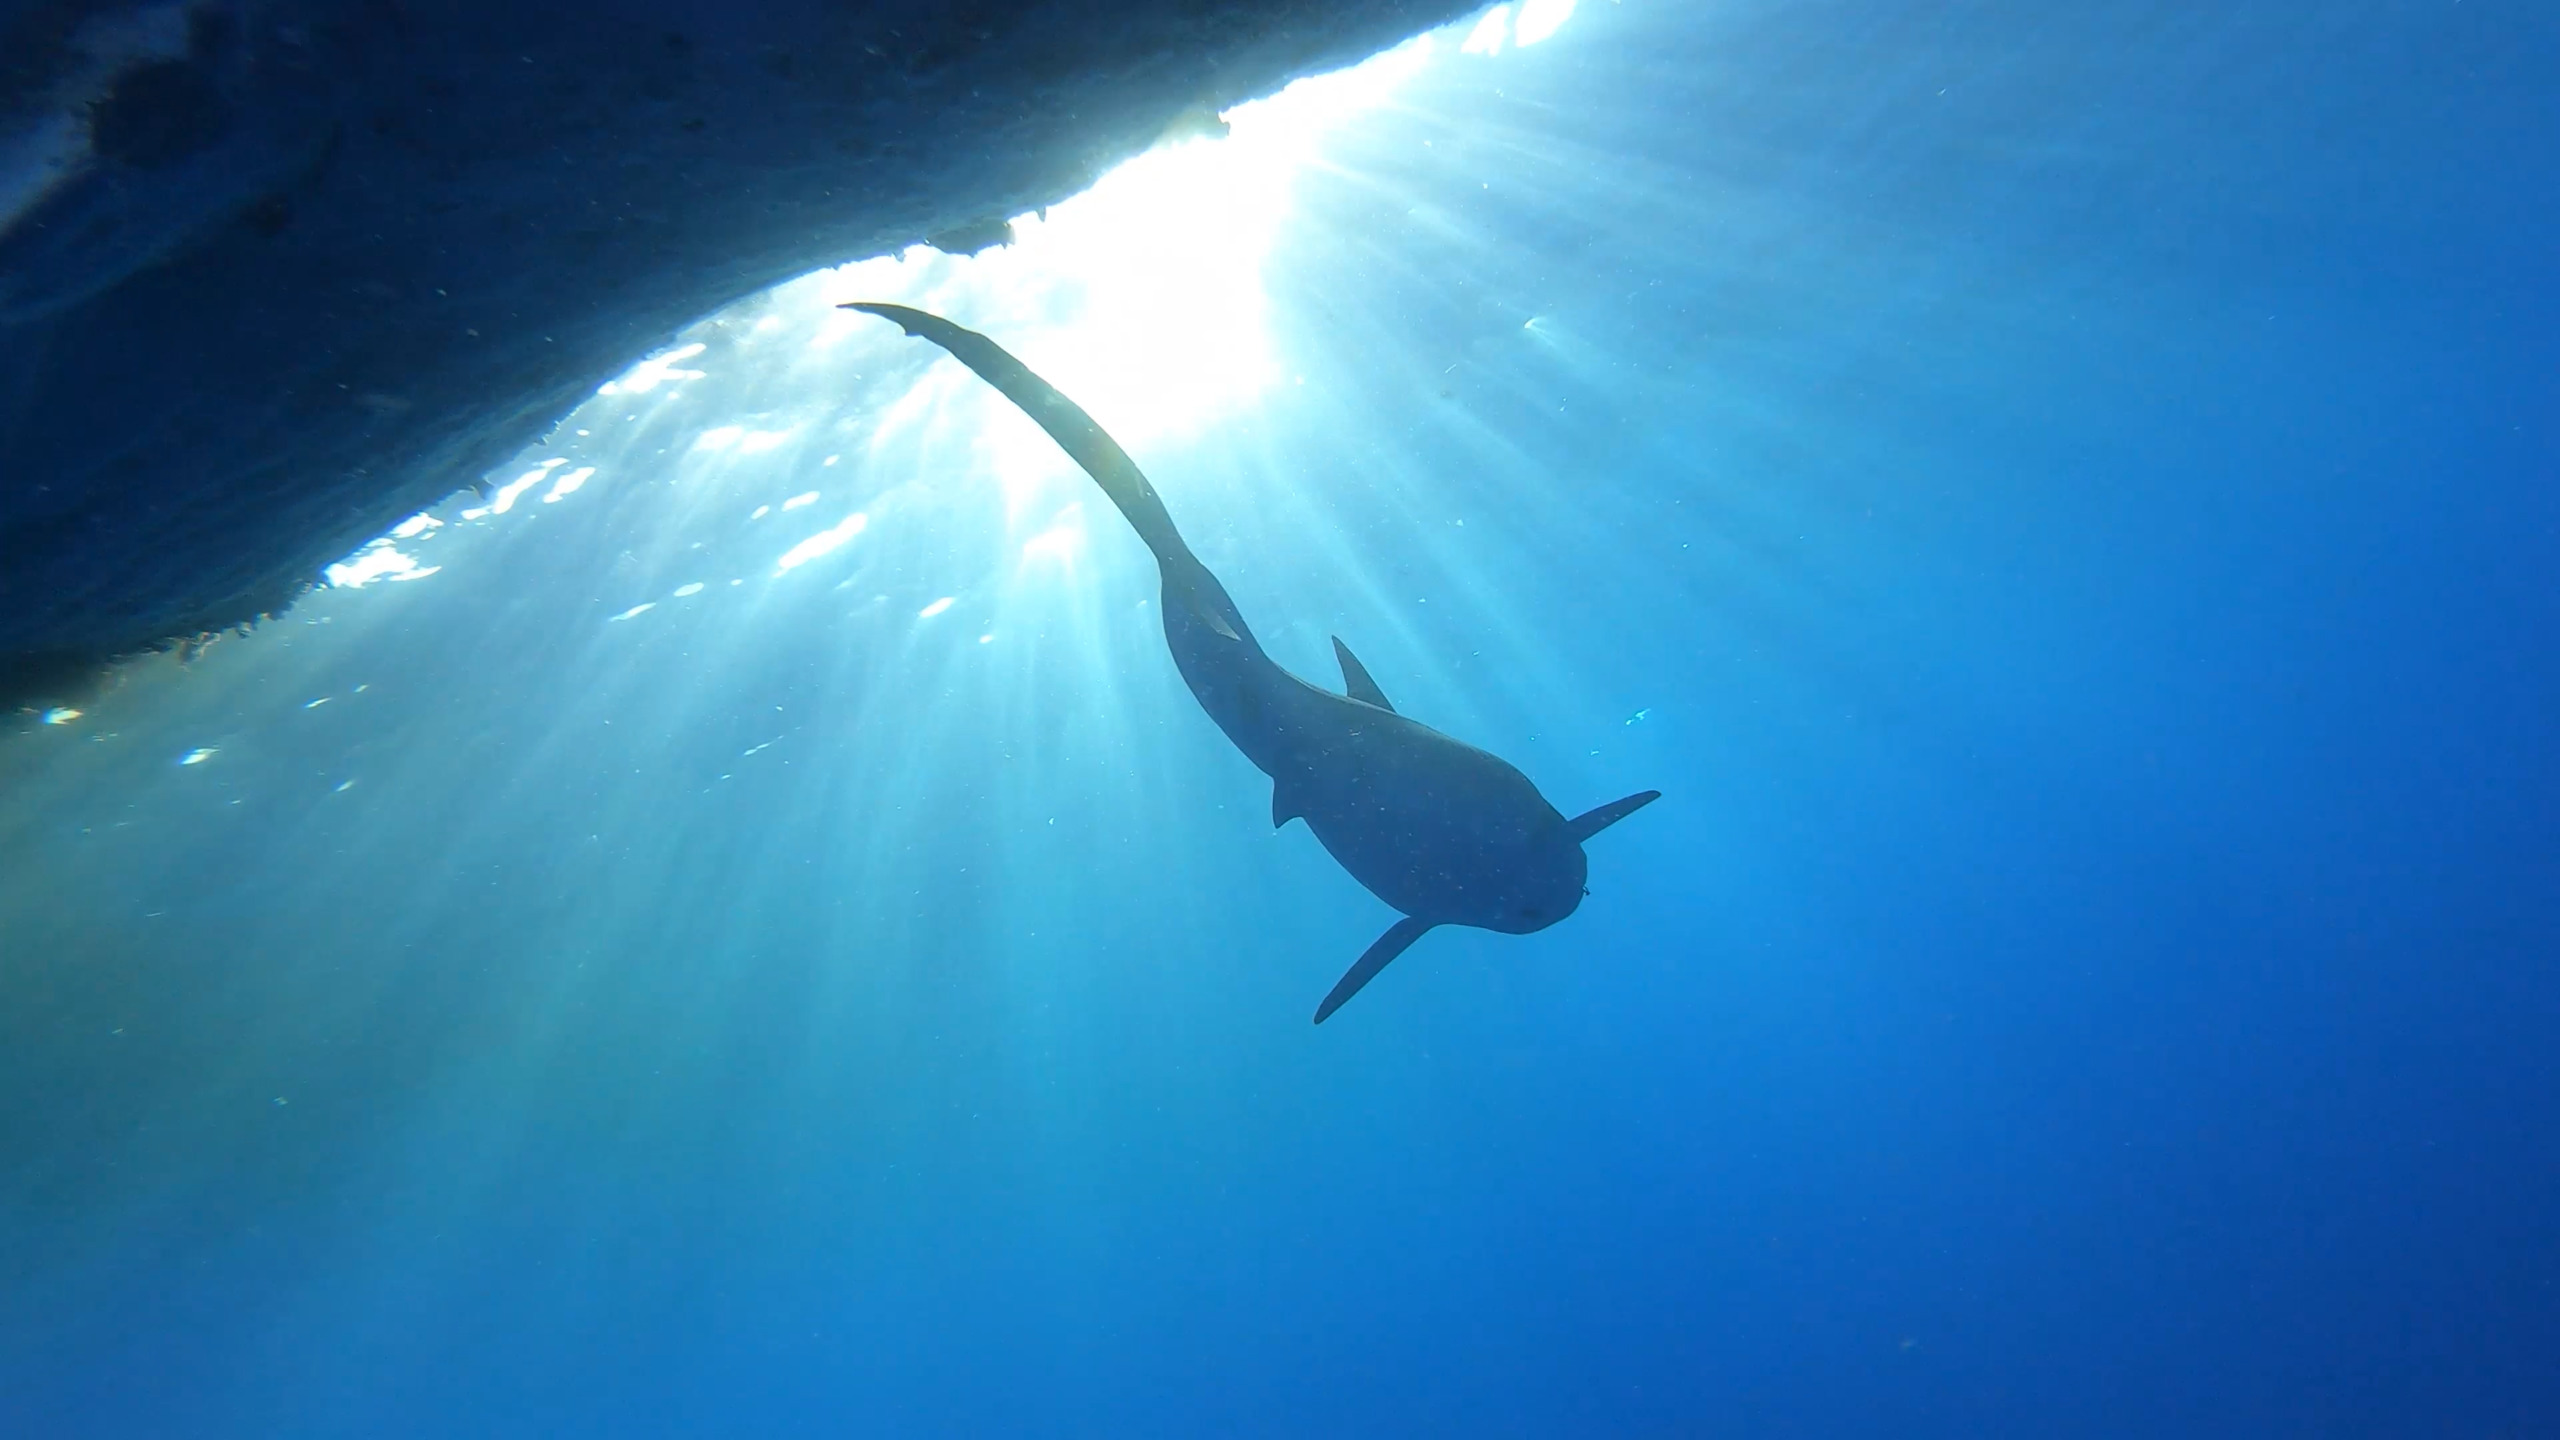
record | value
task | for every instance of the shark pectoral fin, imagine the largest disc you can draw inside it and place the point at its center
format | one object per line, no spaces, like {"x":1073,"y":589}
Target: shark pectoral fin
{"x":1387,"y":947}
{"x":1591,"y":823}
{"x":1355,"y":678}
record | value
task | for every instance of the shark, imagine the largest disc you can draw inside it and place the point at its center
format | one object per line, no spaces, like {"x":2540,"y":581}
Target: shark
{"x":1443,"y":832}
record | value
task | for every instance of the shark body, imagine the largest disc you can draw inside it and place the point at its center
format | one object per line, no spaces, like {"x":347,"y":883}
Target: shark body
{"x":1444,"y":832}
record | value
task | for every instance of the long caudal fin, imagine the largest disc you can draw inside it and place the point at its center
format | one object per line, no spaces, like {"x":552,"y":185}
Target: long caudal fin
{"x":1066,"y":422}
{"x":1385,"y":948}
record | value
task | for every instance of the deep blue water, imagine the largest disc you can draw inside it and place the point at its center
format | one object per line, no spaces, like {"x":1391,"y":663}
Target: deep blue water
{"x":2064,"y":503}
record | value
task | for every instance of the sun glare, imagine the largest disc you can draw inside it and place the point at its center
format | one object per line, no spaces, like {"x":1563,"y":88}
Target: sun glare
{"x":1144,"y":298}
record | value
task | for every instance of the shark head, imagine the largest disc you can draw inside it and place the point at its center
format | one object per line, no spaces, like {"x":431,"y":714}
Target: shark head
{"x":1547,"y":883}
{"x":1549,"y":886}
{"x":1544,"y":891}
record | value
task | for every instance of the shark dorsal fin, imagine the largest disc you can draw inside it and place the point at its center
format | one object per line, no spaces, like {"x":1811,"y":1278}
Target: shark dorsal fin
{"x":1365,"y":969}
{"x":1355,"y":678}
{"x":1592,"y":822}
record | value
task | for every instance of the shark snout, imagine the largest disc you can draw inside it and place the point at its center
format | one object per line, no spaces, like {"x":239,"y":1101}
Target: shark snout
{"x":1552,"y":893}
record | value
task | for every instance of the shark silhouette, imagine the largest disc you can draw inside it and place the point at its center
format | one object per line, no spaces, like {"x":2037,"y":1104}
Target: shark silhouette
{"x":1442,"y":831}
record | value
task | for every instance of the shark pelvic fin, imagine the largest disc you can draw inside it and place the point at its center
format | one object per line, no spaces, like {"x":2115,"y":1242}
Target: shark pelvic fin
{"x":1385,"y":948}
{"x":1592,"y":822}
{"x":1355,"y":678}
{"x":1285,"y":806}
{"x":1213,"y":619}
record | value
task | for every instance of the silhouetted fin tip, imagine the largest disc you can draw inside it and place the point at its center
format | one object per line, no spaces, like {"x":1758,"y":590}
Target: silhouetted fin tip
{"x":1372,"y":960}
{"x":886,"y":311}
{"x":1355,"y":678}
{"x":1592,"y":822}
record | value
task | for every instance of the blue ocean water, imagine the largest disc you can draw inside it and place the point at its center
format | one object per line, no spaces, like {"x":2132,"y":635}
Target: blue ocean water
{"x":2062,"y":503}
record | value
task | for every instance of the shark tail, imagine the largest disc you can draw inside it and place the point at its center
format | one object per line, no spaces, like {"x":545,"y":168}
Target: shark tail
{"x":1066,"y":422}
